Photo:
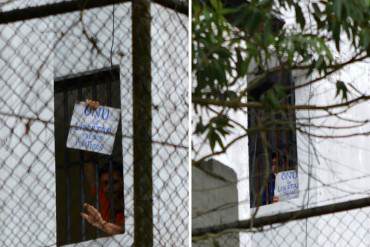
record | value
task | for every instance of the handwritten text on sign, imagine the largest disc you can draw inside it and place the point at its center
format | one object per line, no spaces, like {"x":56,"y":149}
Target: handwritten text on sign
{"x":286,"y":186}
{"x":93,"y":130}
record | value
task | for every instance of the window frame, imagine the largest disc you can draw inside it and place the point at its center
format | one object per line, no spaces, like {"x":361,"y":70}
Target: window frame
{"x":109,"y":78}
{"x":286,"y":159}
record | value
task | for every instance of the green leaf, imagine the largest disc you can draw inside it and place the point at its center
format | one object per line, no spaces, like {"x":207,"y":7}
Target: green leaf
{"x":214,"y":139}
{"x":270,"y":100}
{"x":216,"y":4}
{"x":316,"y":8}
{"x":337,"y":6}
{"x":219,"y":140}
{"x":280,"y":91}
{"x":211,"y":139}
{"x":365,"y":38}
{"x":299,"y":16}
{"x":342,"y":88}
{"x":230,"y":95}
{"x":240,"y":66}
{"x":199,"y":128}
{"x":336,"y":35}
{"x":254,"y":21}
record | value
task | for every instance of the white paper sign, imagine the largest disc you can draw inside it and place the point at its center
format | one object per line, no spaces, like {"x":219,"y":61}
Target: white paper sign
{"x":93,"y":130}
{"x":286,"y":185}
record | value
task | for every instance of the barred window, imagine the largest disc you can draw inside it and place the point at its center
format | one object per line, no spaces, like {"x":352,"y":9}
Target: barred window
{"x":276,"y":129}
{"x":85,"y":177}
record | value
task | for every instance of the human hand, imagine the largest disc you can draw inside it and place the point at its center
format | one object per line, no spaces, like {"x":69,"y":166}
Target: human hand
{"x":93,"y":216}
{"x":92,"y":104}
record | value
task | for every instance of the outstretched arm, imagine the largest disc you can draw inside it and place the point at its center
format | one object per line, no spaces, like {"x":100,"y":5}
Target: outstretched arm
{"x":93,"y":216}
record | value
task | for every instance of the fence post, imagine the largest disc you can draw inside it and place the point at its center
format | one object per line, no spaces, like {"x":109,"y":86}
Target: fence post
{"x":142,"y":122}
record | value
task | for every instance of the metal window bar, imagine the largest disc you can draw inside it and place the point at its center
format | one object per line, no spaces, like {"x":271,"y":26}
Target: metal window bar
{"x":52,"y":29}
{"x":77,"y":5}
{"x":97,"y":186}
{"x":111,"y":212}
{"x":66,"y":170}
{"x":287,"y":153}
{"x":71,"y":85}
{"x":280,"y":141}
{"x":82,"y":182}
{"x":97,"y":179}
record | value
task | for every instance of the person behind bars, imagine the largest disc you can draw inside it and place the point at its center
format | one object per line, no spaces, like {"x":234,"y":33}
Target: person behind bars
{"x":268,"y":195}
{"x":110,"y":192}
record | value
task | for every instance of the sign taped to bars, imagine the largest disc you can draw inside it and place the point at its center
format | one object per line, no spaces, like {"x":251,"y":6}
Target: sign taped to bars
{"x":286,"y":185}
{"x":93,"y":130}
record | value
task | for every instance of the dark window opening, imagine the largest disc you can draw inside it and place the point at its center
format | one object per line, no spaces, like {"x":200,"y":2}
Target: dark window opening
{"x":280,"y":150}
{"x":81,"y":176}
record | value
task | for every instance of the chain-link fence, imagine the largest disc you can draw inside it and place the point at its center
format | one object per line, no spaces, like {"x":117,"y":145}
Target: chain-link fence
{"x":129,"y":56}
{"x":287,"y":173}
{"x":341,"y":224}
{"x":220,"y":218}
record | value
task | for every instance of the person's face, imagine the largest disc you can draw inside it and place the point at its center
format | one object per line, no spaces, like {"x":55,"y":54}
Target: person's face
{"x":117,"y":182}
{"x":274,"y":165}
{"x":273,"y":169}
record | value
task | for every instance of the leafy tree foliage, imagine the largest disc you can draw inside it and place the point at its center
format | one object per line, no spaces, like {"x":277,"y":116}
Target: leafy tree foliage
{"x":235,"y":39}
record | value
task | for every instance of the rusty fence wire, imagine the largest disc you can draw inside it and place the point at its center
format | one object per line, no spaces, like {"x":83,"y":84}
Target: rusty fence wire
{"x":332,"y":216}
{"x":56,"y":54}
{"x":342,"y":228}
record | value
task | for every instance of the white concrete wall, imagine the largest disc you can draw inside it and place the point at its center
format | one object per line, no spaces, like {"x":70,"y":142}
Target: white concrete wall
{"x":57,"y":46}
{"x":214,"y":201}
{"x":329,"y":170}
{"x":27,"y":212}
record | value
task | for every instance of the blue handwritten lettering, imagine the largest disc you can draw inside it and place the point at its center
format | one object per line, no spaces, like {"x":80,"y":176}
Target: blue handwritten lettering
{"x":105,"y":114}
{"x":289,"y":175}
{"x":94,"y":127}
{"x":100,"y":113}
{"x":88,"y":144}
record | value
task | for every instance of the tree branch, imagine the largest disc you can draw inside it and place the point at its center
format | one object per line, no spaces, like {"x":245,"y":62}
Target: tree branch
{"x":257,"y":105}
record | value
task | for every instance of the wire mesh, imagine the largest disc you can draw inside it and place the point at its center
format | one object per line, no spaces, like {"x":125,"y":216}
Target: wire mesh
{"x":347,"y":228}
{"x":38,"y":54}
{"x":220,"y":218}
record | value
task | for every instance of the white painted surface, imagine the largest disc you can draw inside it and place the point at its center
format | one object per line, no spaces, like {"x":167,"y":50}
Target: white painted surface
{"x":214,"y":198}
{"x":32,"y":55}
{"x":329,"y":170}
